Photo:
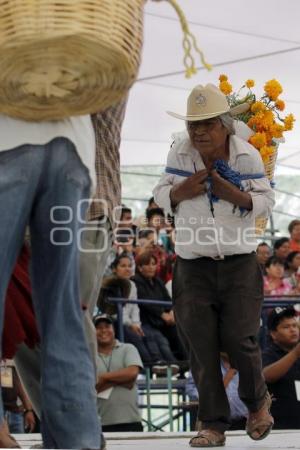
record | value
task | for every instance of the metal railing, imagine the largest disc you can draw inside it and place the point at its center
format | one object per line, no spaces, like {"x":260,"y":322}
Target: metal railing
{"x":269,"y":302}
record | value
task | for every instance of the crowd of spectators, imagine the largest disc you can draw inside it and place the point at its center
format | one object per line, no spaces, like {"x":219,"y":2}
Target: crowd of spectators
{"x":140,"y":267}
{"x":281,"y":263}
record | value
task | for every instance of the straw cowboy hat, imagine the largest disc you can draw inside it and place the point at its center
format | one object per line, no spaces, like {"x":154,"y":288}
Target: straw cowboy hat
{"x":205,"y":102}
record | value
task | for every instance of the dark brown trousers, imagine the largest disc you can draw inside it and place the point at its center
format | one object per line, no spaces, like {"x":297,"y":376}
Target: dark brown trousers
{"x":217,"y":305}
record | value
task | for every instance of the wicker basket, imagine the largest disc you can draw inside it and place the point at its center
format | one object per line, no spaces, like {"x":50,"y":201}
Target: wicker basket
{"x":60,"y":58}
{"x":261,"y":222}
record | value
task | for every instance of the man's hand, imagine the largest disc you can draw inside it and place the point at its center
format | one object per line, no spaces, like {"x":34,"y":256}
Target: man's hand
{"x":297,"y":350}
{"x":220,"y":187}
{"x":229,"y":376}
{"x":103,"y":383}
{"x":189,"y":188}
{"x":136,"y":328}
{"x":29,"y":421}
{"x":227,"y":191}
{"x":168,"y":317}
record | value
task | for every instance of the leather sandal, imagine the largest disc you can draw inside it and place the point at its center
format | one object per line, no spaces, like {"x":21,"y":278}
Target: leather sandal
{"x":208,"y":438}
{"x":260,"y":423}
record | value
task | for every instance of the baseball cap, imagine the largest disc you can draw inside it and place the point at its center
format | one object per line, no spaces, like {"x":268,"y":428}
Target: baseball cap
{"x":102,"y":318}
{"x":279,"y":313}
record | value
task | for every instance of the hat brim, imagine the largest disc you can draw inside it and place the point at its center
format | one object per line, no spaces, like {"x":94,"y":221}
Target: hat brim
{"x":235,"y":111}
{"x":110,"y":322}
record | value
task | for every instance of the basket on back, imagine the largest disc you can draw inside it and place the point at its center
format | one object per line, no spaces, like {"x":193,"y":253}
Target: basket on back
{"x":60,"y":58}
{"x":261,"y":222}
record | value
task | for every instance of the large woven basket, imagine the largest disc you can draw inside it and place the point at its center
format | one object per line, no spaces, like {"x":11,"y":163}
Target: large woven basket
{"x":261,"y":222}
{"x":67,"y":57}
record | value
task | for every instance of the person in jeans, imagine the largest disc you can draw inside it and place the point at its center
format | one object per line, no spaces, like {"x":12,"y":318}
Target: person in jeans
{"x":46,"y":171}
{"x":96,"y":240}
{"x":19,"y":417}
{"x":217,"y":283}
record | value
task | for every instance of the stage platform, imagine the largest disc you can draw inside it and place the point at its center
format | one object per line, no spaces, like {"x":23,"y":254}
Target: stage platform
{"x":282,"y":440}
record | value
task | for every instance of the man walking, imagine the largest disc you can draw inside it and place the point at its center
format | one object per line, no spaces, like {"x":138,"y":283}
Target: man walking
{"x":217,"y":286}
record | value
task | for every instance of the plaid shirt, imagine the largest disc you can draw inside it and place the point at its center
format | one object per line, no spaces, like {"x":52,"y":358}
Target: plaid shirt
{"x":107,"y":126}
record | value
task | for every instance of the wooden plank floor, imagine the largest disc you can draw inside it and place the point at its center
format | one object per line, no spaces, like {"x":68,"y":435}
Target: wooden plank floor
{"x":281,"y":440}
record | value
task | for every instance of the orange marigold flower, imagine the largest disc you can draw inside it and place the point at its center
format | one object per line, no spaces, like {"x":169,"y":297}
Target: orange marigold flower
{"x":273,"y":89}
{"x":225,"y":87}
{"x":276,"y":130}
{"x":257,"y":107}
{"x":279,"y":104}
{"x":267,"y":119}
{"x":258,"y":140}
{"x":261,"y":121}
{"x":249,"y":83}
{"x":223,"y":77}
{"x":289,"y":122}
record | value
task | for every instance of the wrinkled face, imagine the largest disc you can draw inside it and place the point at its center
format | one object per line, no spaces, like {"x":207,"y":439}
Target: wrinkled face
{"x":295,"y":234}
{"x":124,"y":268}
{"x":287,"y":332}
{"x":207,"y":135}
{"x":105,"y":333}
{"x":263,"y":253}
{"x":275,"y":270}
{"x":148,"y":270}
{"x":283,"y":251}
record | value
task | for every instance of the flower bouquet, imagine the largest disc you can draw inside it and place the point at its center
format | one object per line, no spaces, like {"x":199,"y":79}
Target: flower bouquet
{"x":264,"y":119}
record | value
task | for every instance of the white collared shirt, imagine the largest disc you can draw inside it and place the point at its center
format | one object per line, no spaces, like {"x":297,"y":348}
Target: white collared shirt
{"x":79,"y":130}
{"x":229,"y":232}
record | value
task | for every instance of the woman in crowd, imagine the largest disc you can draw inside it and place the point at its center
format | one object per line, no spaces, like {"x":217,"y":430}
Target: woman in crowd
{"x":294,"y":230}
{"x":292,"y":264}
{"x":120,"y":285}
{"x":122,"y":268}
{"x":157,"y":320}
{"x":282,"y":248}
{"x":274,"y":281}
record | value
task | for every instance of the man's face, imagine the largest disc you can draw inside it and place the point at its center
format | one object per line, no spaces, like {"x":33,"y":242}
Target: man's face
{"x":287,"y":333}
{"x":207,"y":135}
{"x":105,"y":333}
{"x":263,"y":253}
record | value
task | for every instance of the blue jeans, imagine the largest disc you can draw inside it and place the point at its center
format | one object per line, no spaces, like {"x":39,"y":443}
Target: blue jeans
{"x":41,"y":186}
{"x":15,"y":421}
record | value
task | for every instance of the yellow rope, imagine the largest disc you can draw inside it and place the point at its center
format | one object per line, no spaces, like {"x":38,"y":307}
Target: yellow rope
{"x":189,"y":42}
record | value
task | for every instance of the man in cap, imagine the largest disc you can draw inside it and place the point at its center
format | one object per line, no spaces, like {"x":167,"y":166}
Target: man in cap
{"x":118,"y":367}
{"x":217,"y":285}
{"x":281,"y":360}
